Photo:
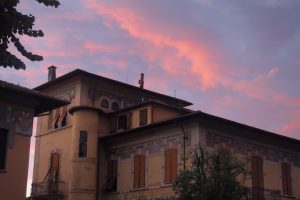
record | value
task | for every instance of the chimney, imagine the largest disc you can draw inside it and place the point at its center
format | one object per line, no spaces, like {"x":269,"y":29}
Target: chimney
{"x":51,"y":73}
{"x":141,"y":81}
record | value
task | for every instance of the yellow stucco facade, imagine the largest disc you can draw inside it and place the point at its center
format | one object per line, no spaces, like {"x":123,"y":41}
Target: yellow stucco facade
{"x":114,"y":142}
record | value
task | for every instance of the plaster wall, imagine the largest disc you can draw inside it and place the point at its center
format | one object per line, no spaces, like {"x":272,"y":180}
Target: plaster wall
{"x":13,"y":180}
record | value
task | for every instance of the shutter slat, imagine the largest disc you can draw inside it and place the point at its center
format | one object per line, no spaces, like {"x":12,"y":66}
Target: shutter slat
{"x":254,"y":171}
{"x":142,"y":170}
{"x":174,"y":165}
{"x":284,"y":178}
{"x":136,"y":171}
{"x":167,"y":166}
{"x":50,"y":120}
{"x":289,"y":179}
{"x":260,"y":172}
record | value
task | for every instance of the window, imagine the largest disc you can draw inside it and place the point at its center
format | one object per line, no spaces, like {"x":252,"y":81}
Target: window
{"x":143,"y":117}
{"x":115,"y":106}
{"x":104,"y":103}
{"x":170,"y":165}
{"x":54,"y":167}
{"x":286,"y":179}
{"x":257,"y":178}
{"x":124,"y":121}
{"x":139,"y":171}
{"x":3,"y":147}
{"x":53,"y":173}
{"x":112,"y":174}
{"x":58,"y":118}
{"x":82,"y":144}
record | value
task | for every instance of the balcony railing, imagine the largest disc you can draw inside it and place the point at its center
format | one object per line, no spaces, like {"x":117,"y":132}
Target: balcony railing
{"x":48,"y":188}
{"x":267,"y":194}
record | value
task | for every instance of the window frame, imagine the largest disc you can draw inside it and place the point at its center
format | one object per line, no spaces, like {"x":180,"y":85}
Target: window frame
{"x":286,"y":175}
{"x":115,"y":103}
{"x":139,"y":171}
{"x":112,"y":176}
{"x":143,"y":117}
{"x":106,"y":101}
{"x":83,"y":144}
{"x":171,"y":160}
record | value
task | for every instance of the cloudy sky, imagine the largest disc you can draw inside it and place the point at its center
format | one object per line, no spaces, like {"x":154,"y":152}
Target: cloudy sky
{"x":235,"y":59}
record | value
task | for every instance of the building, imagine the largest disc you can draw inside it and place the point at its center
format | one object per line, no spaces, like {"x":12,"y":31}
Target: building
{"x":118,"y":141}
{"x":18,"y":106}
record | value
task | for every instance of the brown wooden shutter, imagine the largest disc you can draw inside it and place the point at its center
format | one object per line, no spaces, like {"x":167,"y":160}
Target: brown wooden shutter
{"x":174,"y":165}
{"x":109,"y":169}
{"x":260,"y":172}
{"x":50,"y":120}
{"x":114,"y":168}
{"x":289,"y":179}
{"x":143,"y":117}
{"x":284,"y":178}
{"x":136,"y":171}
{"x":54,"y":166}
{"x":254,"y":171}
{"x":128,"y":121}
{"x":56,"y":118}
{"x":113,"y":124}
{"x":142,"y":170}
{"x":63,"y":115}
{"x":167,"y":166}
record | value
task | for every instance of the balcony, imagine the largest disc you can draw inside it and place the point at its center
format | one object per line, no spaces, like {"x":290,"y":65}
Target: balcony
{"x":48,"y":190}
{"x":267,"y":194}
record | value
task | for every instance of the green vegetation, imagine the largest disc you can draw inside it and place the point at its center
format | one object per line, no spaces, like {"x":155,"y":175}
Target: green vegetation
{"x":212,"y":176}
{"x":12,"y":25}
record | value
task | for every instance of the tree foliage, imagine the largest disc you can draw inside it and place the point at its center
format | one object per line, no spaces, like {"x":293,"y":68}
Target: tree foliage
{"x":13,"y":24}
{"x":212,"y":176}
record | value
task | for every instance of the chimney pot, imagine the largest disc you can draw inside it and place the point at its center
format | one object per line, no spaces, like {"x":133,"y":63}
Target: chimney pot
{"x":141,"y":81}
{"x":51,"y":73}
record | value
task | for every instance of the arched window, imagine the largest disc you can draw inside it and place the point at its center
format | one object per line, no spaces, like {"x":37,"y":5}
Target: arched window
{"x":115,"y":106}
{"x":104,"y":103}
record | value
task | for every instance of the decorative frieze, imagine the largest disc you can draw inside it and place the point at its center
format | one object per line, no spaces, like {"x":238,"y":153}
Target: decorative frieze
{"x":150,"y":147}
{"x":19,"y":118}
{"x":246,"y":148}
{"x":67,"y":95}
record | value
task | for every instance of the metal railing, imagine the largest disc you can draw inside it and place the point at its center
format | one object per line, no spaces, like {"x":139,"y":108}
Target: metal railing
{"x":267,"y":194}
{"x":48,"y":188}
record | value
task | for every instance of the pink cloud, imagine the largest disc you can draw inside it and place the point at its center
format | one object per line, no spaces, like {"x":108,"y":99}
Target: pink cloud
{"x":207,"y":73}
{"x":93,"y":47}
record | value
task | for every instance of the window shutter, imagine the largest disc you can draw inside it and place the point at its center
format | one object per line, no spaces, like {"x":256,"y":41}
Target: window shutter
{"x":113,"y":124}
{"x":254,"y":171}
{"x":54,"y":166}
{"x":260,"y":172}
{"x":114,"y":168}
{"x":128,"y":120}
{"x":50,"y":120}
{"x":167,"y":166}
{"x":109,"y":169}
{"x":174,"y":164}
{"x":64,"y":110}
{"x":143,"y":117}
{"x":284,"y":178}
{"x":136,"y":171}
{"x":56,"y":118}
{"x":289,"y":179}
{"x":142,"y":170}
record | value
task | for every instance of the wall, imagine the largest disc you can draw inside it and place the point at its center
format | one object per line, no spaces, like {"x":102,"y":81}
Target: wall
{"x":13,"y":182}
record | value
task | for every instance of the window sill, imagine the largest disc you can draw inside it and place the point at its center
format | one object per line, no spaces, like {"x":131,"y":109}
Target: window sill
{"x":166,"y":185}
{"x":138,"y":189}
{"x":3,"y":171}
